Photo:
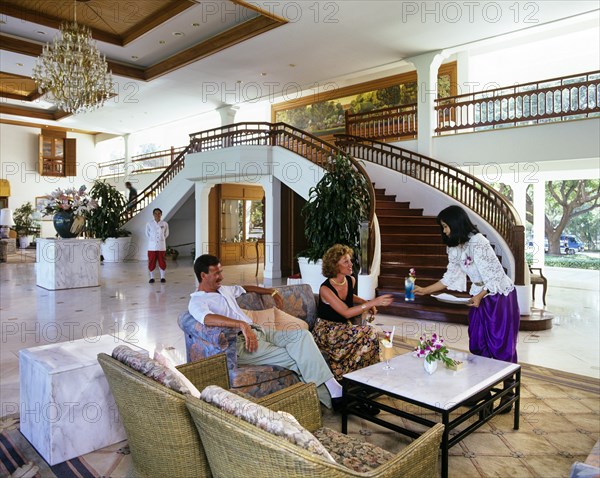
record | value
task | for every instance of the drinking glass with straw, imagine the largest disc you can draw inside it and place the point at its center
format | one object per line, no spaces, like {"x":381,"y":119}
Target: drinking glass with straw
{"x":388,"y":351}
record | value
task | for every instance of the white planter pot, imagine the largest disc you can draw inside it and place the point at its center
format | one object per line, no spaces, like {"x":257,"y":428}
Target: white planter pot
{"x":116,"y":249}
{"x":311,"y":273}
{"x":430,"y":367}
{"x":24,"y":241}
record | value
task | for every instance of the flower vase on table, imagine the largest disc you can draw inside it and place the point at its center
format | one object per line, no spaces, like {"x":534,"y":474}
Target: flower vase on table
{"x":69,"y":207}
{"x":430,"y":367}
{"x":67,"y":225}
{"x":433,"y":350}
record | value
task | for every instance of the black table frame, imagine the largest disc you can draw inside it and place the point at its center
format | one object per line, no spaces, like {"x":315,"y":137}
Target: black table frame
{"x":356,"y":393}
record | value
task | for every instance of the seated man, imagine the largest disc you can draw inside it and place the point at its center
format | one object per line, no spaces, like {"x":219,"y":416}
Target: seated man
{"x":214,"y":305}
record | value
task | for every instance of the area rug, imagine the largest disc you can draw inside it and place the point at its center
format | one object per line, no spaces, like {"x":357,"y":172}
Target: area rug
{"x":560,"y":423}
{"x":18,"y":459}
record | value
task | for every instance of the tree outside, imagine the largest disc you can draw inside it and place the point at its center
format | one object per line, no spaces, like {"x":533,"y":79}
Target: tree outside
{"x":572,"y":207}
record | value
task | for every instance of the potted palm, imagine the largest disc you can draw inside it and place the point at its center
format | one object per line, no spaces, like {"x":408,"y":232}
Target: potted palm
{"x":26,"y":225}
{"x":335,"y":208}
{"x":105,"y":222}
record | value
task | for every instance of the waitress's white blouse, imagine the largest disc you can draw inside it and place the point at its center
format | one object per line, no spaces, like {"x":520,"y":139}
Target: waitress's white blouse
{"x":476,"y":259}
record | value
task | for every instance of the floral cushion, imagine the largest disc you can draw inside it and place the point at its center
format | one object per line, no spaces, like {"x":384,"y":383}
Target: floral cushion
{"x":273,"y":422}
{"x":285,"y":321}
{"x":267,"y":318}
{"x":165,"y":359}
{"x":355,"y":454}
{"x":151,"y":368}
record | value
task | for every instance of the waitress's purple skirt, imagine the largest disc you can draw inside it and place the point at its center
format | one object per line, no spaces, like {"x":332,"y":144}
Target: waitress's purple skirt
{"x":494,"y":326}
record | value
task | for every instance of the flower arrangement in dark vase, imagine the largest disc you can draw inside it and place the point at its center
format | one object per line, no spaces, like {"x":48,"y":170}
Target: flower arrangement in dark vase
{"x":70,"y":208}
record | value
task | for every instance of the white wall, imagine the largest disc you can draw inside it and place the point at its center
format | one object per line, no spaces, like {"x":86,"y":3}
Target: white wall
{"x":559,"y":55}
{"x":552,"y":143}
{"x":19,"y":164}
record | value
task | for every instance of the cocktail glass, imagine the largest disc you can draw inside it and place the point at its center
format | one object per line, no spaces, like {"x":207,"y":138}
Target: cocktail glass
{"x":388,"y":354}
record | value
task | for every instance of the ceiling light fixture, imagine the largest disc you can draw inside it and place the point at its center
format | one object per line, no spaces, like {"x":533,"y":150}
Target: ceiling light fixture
{"x":72,"y":72}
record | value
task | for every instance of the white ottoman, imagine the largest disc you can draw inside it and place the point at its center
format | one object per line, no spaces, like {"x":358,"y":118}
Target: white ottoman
{"x":67,"y":408}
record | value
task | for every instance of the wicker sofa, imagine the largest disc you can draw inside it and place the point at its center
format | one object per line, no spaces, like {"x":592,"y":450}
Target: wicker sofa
{"x":236,"y":448}
{"x":201,"y":341}
{"x":162,"y":437}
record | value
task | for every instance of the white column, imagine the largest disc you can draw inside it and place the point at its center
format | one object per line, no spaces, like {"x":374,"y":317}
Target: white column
{"x":227,"y":114}
{"x":539,"y":223}
{"x":202,"y":191}
{"x":272,"y":187}
{"x":427,"y":66}
{"x":127,"y":165}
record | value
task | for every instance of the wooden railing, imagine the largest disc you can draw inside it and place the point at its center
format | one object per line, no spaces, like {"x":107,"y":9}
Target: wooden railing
{"x":557,"y":99}
{"x":476,"y":195}
{"x":304,"y":144}
{"x":141,"y":163}
{"x":148,"y":162}
{"x":150,"y":193}
{"x":116,"y":167}
{"x":396,"y":122}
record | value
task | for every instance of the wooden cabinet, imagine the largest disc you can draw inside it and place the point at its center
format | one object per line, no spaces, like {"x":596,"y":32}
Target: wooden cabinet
{"x":57,"y":154}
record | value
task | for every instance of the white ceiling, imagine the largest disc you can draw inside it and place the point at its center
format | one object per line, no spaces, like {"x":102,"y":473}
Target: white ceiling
{"x":325,"y":41}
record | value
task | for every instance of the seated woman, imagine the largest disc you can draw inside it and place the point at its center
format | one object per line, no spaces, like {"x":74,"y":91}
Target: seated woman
{"x":348,"y":346}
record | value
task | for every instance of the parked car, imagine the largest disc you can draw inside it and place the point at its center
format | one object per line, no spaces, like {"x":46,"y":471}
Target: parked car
{"x":572,"y":244}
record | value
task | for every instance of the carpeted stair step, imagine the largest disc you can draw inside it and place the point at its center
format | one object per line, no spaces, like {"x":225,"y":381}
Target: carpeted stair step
{"x":454,"y":314}
{"x":411,"y":229}
{"x":407,"y":221}
{"x":396,"y":281}
{"x":413,"y":260}
{"x":405,"y":249}
{"x":390,"y":211}
{"x":391,"y":242}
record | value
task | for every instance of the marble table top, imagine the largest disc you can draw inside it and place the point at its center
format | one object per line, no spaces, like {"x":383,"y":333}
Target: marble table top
{"x":74,"y":354}
{"x":444,"y":388}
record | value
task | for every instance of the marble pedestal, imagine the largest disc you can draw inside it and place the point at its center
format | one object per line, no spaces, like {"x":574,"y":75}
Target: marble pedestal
{"x":67,"y":263}
{"x":67,"y":408}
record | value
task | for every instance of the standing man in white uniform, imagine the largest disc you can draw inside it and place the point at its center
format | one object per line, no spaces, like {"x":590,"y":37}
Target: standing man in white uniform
{"x":157,"y":232}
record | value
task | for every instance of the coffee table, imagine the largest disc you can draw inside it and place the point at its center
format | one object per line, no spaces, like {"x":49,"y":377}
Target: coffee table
{"x":444,"y":392}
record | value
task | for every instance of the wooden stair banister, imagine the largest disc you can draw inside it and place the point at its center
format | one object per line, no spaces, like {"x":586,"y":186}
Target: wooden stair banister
{"x":475,"y":194}
{"x":283,"y":135}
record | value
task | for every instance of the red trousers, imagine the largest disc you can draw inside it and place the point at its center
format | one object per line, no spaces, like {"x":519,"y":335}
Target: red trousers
{"x":159,"y":256}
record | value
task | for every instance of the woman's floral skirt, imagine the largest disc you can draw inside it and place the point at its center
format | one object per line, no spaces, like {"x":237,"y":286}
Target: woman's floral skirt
{"x":346,"y":347}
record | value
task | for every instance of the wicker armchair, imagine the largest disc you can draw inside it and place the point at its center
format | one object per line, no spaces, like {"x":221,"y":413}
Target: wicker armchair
{"x":162,"y":436}
{"x":256,"y":380}
{"x":235,"y":448}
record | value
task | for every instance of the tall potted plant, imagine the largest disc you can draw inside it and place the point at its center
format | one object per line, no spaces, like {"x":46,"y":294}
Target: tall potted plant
{"x":26,"y":225}
{"x":332,"y":215}
{"x":104,"y":222}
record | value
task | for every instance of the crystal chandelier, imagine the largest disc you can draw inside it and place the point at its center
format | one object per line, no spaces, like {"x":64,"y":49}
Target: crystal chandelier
{"x":72,"y":72}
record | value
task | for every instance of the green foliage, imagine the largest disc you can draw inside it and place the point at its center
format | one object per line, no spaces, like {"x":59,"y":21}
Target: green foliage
{"x":105,"y":220}
{"x":575,"y":261}
{"x":335,"y":208}
{"x":566,"y":200}
{"x":25,"y":224}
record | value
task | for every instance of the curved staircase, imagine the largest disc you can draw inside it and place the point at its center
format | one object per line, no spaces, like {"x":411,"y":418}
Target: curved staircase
{"x":411,"y":240}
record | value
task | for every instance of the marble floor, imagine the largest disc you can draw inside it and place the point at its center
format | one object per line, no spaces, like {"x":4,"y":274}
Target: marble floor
{"x":146,"y":314}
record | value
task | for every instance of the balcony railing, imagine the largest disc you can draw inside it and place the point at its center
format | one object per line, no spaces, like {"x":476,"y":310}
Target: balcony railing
{"x":396,"y":122}
{"x":557,"y":99}
{"x":141,"y":163}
